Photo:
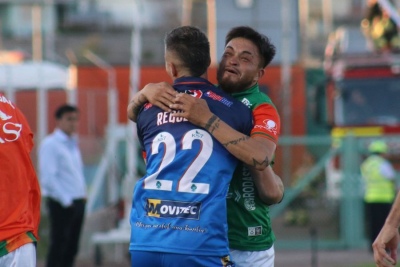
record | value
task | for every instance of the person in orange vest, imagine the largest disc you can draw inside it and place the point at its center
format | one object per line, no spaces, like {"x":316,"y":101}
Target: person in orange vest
{"x":380,"y":187}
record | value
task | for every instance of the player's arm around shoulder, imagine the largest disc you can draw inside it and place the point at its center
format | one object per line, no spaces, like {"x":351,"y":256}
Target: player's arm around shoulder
{"x":159,"y":94}
{"x":249,"y":150}
{"x":269,"y":185}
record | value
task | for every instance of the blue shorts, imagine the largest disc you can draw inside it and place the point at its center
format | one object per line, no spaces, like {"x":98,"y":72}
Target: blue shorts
{"x":162,"y":259}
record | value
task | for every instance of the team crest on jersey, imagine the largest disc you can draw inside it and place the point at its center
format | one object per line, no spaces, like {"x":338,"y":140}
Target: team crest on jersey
{"x":173,"y":209}
{"x":194,"y":93}
{"x":269,"y":125}
{"x":219,"y":98}
{"x":249,"y":204}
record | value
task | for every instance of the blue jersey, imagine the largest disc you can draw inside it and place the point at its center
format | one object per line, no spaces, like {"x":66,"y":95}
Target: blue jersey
{"x":179,"y":206}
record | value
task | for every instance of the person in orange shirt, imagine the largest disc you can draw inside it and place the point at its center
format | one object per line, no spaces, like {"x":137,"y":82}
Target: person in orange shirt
{"x":19,"y":189}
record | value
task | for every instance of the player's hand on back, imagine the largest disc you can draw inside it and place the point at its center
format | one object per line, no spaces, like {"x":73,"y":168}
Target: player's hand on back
{"x":160,"y":94}
{"x":191,"y":108}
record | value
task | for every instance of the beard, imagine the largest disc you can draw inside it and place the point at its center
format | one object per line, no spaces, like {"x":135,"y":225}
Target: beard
{"x":230,"y":86}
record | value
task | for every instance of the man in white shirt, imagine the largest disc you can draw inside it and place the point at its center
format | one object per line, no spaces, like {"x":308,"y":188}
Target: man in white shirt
{"x":63,"y":183}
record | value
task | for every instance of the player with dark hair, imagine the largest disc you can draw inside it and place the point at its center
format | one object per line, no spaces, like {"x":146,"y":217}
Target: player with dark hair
{"x":243,"y":63}
{"x":178,"y":215}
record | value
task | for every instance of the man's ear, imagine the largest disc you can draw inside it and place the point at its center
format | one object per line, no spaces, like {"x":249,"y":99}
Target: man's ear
{"x":168,"y":68}
{"x":173,"y":69}
{"x":260,"y":73}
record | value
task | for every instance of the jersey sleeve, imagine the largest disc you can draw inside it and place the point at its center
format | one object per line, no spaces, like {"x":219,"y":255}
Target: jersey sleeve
{"x":267,"y":123}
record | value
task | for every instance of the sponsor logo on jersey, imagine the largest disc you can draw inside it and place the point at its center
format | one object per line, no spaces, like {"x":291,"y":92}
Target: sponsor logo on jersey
{"x":197,"y":134}
{"x":147,"y":106}
{"x":269,"y":125}
{"x":4,"y":116}
{"x":10,"y":132}
{"x":3,"y":99}
{"x":235,"y":194}
{"x":160,"y":138}
{"x":246,"y":102}
{"x":254,"y":231}
{"x":248,"y":190}
{"x":194,"y":93}
{"x":219,"y":98}
{"x":173,"y":209}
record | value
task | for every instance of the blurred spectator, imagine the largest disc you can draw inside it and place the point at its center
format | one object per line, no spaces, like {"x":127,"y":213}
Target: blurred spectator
{"x":63,"y":183}
{"x":380,"y":188}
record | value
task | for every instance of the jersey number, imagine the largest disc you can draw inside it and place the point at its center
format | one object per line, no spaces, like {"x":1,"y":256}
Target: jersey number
{"x":185,"y":183}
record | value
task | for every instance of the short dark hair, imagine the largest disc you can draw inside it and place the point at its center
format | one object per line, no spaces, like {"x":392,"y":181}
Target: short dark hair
{"x":66,"y":108}
{"x":266,"y":49}
{"x":191,"y":46}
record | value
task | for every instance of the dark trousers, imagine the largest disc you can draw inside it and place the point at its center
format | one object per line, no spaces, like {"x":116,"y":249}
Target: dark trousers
{"x":376,"y":214}
{"x":65,"y":230}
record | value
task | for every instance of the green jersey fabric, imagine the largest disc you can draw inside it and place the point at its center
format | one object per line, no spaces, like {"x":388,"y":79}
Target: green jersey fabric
{"x":249,"y":223}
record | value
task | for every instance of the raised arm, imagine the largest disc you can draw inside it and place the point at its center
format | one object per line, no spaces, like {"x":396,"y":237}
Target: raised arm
{"x":159,"y":94}
{"x":255,"y":152}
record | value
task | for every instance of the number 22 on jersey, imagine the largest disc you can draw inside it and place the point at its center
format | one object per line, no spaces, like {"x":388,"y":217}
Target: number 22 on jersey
{"x":185,"y":183}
